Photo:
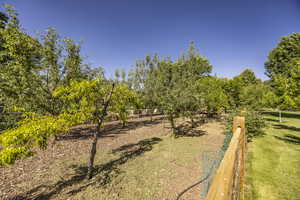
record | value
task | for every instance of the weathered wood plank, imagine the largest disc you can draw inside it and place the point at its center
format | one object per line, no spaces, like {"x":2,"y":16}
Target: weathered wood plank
{"x":229,"y":178}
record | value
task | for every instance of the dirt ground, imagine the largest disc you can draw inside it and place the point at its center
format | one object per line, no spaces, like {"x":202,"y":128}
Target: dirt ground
{"x":140,"y":161}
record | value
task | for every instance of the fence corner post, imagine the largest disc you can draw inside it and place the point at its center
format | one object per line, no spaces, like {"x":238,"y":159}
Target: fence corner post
{"x":239,"y":122}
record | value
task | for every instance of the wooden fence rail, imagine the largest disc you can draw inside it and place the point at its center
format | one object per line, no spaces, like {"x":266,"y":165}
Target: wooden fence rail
{"x":228,"y":182}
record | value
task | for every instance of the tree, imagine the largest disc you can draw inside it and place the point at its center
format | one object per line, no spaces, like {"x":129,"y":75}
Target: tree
{"x":51,"y":76}
{"x":270,"y":99}
{"x":246,"y":94}
{"x":247,"y":77}
{"x":279,"y":58}
{"x":234,"y":87}
{"x":20,"y":64}
{"x":213,"y":95}
{"x":125,"y":100}
{"x":283,"y":68}
{"x":73,"y":61}
{"x":3,"y":20}
{"x":174,"y":83}
{"x":32,"y":68}
{"x":85,"y":100}
{"x":251,"y":97}
{"x":143,"y":79}
{"x":90,"y":100}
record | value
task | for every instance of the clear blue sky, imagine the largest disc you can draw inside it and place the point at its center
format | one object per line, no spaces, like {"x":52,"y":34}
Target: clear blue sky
{"x":232,"y":34}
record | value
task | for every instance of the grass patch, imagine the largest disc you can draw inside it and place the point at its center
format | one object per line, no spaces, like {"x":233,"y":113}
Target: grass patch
{"x":273,"y":160}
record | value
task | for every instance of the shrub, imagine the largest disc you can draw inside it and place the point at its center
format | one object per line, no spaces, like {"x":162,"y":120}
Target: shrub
{"x":254,"y":123}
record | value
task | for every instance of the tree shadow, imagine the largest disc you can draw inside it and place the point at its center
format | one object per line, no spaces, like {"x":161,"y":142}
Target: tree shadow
{"x":186,"y":130}
{"x":197,"y":122}
{"x":111,"y":129}
{"x":284,"y":114}
{"x":102,"y":174}
{"x":282,"y":126}
{"x":292,"y":139}
{"x":271,"y":120}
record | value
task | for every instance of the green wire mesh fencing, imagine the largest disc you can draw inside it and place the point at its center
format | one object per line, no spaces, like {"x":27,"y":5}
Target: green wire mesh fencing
{"x":210,"y":162}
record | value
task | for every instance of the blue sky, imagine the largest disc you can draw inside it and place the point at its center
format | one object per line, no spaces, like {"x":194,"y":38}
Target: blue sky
{"x":232,"y":34}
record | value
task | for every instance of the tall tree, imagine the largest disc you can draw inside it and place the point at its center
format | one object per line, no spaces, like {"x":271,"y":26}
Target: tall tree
{"x":234,"y":87}
{"x":283,"y":68}
{"x":51,"y":72}
{"x":247,"y":77}
{"x":3,"y":20}
{"x":143,"y":79}
{"x":280,"y":57}
{"x":20,"y":63}
{"x":85,"y":100}
{"x":174,"y":83}
{"x":251,"y":96}
{"x":213,"y":96}
{"x":73,"y":61}
{"x":31,"y":69}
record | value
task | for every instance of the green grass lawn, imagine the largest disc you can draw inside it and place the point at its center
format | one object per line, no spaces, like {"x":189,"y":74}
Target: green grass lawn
{"x":273,"y":162}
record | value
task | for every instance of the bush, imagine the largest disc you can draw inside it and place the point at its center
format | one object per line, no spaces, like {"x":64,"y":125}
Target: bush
{"x":254,"y":123}
{"x":8,"y":120}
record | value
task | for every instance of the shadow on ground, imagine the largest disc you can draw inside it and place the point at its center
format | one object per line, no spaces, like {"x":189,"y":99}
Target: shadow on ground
{"x":186,"y":130}
{"x":110,"y":130}
{"x":292,"y":139}
{"x":282,"y":126}
{"x":284,"y":114}
{"x":271,"y":120}
{"x":102,"y":175}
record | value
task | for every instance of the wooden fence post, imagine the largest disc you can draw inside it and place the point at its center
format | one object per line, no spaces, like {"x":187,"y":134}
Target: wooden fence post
{"x":228,"y":180}
{"x":239,"y":122}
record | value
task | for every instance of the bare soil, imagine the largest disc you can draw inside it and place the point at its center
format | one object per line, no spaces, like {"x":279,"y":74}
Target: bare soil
{"x":140,"y":161}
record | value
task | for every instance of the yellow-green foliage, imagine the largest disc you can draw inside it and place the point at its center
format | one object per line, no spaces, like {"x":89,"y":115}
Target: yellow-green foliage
{"x":86,"y":99}
{"x":83,"y":101}
{"x":123,"y":99}
{"x":34,"y":130}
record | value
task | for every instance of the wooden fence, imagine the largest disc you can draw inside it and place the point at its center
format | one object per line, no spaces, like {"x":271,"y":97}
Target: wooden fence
{"x":228,"y":182}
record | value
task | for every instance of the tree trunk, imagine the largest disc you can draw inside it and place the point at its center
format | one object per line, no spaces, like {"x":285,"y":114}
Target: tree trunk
{"x":171,"y":119}
{"x":93,"y":153}
{"x":95,"y":136}
{"x":280,"y":120}
{"x":193,"y":122}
